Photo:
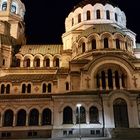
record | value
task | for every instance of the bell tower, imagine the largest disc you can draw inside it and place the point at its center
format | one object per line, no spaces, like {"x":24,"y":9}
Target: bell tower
{"x":12,"y":30}
{"x":13,"y":12}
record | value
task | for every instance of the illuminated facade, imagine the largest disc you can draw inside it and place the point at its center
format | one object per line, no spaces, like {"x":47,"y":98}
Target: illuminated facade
{"x":97,"y":66}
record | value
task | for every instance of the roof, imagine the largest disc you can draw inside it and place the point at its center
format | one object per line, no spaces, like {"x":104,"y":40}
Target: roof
{"x":41,"y":49}
{"x":93,"y":2}
{"x":100,"y":28}
{"x":16,"y":78}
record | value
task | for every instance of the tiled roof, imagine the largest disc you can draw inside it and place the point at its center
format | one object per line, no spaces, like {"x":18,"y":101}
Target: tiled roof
{"x":93,"y":2}
{"x":41,"y":49}
{"x":16,"y":78}
{"x":100,"y":28}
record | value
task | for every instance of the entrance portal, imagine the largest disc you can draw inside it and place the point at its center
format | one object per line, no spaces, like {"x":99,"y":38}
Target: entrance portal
{"x":120,"y":113}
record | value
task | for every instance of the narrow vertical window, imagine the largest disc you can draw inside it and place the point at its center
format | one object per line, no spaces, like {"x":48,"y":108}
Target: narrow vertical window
{"x":29,"y":88}
{"x":106,"y":43}
{"x":72,"y":21}
{"x":98,"y":14}
{"x":103,"y":80}
{"x":67,"y":86}
{"x":47,"y":62}
{"x":116,"y":17}
{"x":49,"y":88}
{"x":18,"y":63}
{"x":117,"y":43}
{"x":23,"y":88}
{"x":79,"y":18}
{"x":117,"y":82}
{"x":126,"y":46}
{"x":44,"y":88}
{"x":107,"y":14}
{"x":88,"y":15}
{"x":3,"y":62}
{"x":57,"y":63}
{"x":2,"y":89}
{"x":83,"y":47}
{"x":28,"y":63}
{"x":110,"y":79}
{"x":8,"y":89}
{"x":93,"y":44}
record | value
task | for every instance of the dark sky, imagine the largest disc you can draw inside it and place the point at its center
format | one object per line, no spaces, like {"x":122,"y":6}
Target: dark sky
{"x":45,"y":19}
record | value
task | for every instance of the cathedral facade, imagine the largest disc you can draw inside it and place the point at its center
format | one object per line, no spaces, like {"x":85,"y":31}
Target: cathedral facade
{"x":87,"y":86}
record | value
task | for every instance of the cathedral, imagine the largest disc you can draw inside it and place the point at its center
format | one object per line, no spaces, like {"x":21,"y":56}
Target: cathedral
{"x":88,"y":86}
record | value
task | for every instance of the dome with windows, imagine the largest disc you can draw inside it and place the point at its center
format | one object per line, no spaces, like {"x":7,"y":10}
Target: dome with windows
{"x":89,"y":12}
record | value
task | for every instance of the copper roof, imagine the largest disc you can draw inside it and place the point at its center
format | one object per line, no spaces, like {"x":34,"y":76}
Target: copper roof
{"x":101,"y":28}
{"x":17,"y":78}
{"x":41,"y":49}
{"x":93,"y":2}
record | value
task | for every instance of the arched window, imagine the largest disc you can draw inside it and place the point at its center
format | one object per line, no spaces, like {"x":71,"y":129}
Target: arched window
{"x":21,"y":118}
{"x":27,"y":62}
{"x":116,"y":17}
{"x":37,"y":62}
{"x":117,"y":81}
{"x":46,"y":117}
{"x":67,"y":86}
{"x":13,"y":8}
{"x":88,"y":15}
{"x":93,"y":44}
{"x":8,"y":89}
{"x":44,"y":88}
{"x":4,"y":6}
{"x":8,"y":118}
{"x":106,"y":45}
{"x":2,"y":89}
{"x":83,"y":47}
{"x":82,"y":115}
{"x":29,"y":88}
{"x":117,"y":43}
{"x":72,"y":21}
{"x":49,"y":88}
{"x":79,"y":18}
{"x":98,"y":14}
{"x":110,"y":79}
{"x":33,"y":117}
{"x":47,"y":62}
{"x":67,"y":115}
{"x":23,"y":88}
{"x":18,"y":63}
{"x":94,"y":115}
{"x":56,"y":62}
{"x":107,"y":14}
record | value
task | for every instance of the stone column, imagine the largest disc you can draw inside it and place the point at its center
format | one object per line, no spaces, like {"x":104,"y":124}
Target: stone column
{"x":120,"y":82}
{"x":114,"y":83}
{"x":74,"y":117}
{"x":40,"y":119}
{"x":87,"y":117}
{"x":1,"y":120}
{"x":14,"y":120}
{"x":41,"y":63}
{"x":9,"y":6}
{"x":100,"y":80}
{"x":32,"y":63}
{"x":21,"y":63}
{"x":106,"y":79}
{"x":27,"y":119}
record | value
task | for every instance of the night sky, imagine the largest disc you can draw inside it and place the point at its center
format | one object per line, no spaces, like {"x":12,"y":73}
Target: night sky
{"x":44,"y":19}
